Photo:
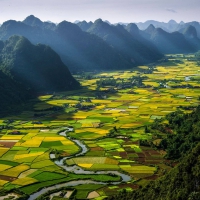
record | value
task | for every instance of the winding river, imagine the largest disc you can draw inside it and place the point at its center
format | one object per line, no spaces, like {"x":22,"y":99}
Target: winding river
{"x":77,"y":170}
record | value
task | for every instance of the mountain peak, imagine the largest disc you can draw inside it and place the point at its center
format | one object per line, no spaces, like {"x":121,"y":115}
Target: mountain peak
{"x":172,"y":21}
{"x":98,"y":20}
{"x":36,"y":66}
{"x":33,"y":21}
{"x":6,"y":23}
{"x":190,"y":31}
{"x":150,"y":29}
{"x":67,"y":24}
{"x":67,"y":27}
{"x":132,"y":28}
{"x":77,"y":21}
{"x":84,"y":25}
{"x":31,"y":17}
{"x":100,"y":23}
{"x":107,"y":22}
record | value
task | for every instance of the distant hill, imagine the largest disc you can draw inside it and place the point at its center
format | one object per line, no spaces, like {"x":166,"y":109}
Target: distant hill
{"x":136,"y":33}
{"x":34,"y":21}
{"x":79,"y":50}
{"x":26,"y":69}
{"x":189,"y":31}
{"x":195,"y":24}
{"x":77,"y":21}
{"x":135,"y":51}
{"x":190,"y":34}
{"x":86,"y":51}
{"x":170,"y":26}
{"x":84,"y":25}
{"x":87,"y":46}
{"x":174,"y":42}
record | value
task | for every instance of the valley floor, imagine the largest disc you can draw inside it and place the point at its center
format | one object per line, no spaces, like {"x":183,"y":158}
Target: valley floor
{"x":109,"y":115}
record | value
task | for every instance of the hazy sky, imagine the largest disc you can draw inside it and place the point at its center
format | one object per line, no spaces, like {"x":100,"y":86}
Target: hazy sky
{"x":112,"y":10}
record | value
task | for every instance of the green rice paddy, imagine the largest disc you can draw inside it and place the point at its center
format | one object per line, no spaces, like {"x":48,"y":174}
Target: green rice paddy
{"x":111,"y":125}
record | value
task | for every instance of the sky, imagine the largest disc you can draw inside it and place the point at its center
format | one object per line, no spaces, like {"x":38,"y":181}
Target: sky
{"x":111,"y":10}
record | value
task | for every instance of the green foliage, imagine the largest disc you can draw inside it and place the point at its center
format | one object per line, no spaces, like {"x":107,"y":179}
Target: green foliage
{"x":26,"y":69}
{"x":186,"y":133}
{"x":12,"y":93}
{"x":7,"y":162}
{"x":37,"y":186}
{"x":50,"y":144}
{"x":182,"y":182}
{"x":46,"y":176}
{"x":95,"y":177}
{"x":38,"y":67}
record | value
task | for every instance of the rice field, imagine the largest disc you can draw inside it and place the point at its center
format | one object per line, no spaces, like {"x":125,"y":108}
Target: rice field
{"x":110,"y":125}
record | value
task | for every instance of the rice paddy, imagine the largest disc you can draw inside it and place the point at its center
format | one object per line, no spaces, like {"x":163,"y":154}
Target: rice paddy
{"x":111,"y":124}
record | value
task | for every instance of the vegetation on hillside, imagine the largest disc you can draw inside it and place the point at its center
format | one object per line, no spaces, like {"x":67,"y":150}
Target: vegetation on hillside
{"x":26,"y":70}
{"x":182,"y":182}
{"x":12,"y":93}
{"x":135,"y":51}
{"x":82,"y":51}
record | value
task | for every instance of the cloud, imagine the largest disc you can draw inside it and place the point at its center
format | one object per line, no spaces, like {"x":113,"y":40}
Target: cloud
{"x":171,"y":10}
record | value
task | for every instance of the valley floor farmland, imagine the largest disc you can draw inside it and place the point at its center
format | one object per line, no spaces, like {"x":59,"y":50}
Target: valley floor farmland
{"x":109,"y":114}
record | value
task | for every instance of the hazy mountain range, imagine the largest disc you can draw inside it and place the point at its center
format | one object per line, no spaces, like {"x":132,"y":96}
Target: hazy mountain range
{"x":100,"y":45}
{"x":35,"y":56}
{"x":170,"y":26}
{"x":82,"y":50}
{"x":184,"y":40}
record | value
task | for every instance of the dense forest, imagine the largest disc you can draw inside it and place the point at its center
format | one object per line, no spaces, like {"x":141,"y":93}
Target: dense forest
{"x":12,"y":93}
{"x":183,"y":142}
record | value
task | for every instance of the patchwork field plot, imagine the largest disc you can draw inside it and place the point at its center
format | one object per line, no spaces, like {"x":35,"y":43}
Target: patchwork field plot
{"x":110,"y":119}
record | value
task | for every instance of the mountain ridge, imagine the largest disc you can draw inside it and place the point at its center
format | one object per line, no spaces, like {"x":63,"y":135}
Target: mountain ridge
{"x":27,"y":69}
{"x":79,"y":50}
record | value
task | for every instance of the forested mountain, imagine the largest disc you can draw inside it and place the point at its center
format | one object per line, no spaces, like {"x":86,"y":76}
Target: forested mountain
{"x":136,"y":33}
{"x":26,"y":69}
{"x":97,"y":46}
{"x":38,"y":67}
{"x":183,"y":143}
{"x":131,"y":48}
{"x":78,"y":49}
{"x":86,"y":51}
{"x":165,"y":37}
{"x":151,"y":40}
{"x":185,"y":25}
{"x":84,"y":25}
{"x":190,"y":34}
{"x":34,"y":21}
{"x":174,"y":42}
